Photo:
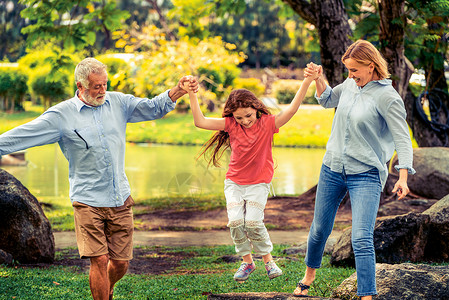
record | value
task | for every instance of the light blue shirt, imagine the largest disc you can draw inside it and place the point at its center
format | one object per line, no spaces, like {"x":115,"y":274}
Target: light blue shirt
{"x":369,"y":124}
{"x":93,"y":141}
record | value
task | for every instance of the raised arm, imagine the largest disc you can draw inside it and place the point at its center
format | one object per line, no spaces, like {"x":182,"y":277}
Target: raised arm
{"x":198,"y":117}
{"x":285,"y":115}
{"x":319,"y":80}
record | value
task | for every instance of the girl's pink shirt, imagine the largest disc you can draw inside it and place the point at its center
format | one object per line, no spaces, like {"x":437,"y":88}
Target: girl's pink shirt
{"x":251,"y":150}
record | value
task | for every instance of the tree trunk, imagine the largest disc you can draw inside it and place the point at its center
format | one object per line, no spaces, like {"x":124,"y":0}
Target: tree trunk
{"x":331,"y":21}
{"x":391,"y":38}
{"x":334,"y":32}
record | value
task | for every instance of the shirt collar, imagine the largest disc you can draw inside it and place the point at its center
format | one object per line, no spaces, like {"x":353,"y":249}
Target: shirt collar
{"x":80,"y":104}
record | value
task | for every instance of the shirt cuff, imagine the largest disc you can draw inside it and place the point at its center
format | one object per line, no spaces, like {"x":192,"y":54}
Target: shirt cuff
{"x":325,"y":94}
{"x":410,"y":169}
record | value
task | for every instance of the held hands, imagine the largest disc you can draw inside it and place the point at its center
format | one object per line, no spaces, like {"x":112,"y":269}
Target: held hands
{"x":313,"y":71}
{"x":189,"y":84}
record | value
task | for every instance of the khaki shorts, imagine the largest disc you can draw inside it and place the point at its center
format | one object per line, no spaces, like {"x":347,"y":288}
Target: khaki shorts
{"x":104,"y":230}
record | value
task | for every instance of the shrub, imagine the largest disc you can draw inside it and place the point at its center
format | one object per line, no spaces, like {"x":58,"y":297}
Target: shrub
{"x":253,"y":84}
{"x":285,"y":90}
{"x":13,"y":88}
{"x":51,"y":90}
{"x":211,"y":60}
{"x":119,"y":73}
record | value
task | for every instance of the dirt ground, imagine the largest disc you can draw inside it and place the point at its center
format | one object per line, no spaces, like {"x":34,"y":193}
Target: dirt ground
{"x":281,"y":213}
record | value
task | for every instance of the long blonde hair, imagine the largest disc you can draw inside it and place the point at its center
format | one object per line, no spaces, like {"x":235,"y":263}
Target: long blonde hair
{"x":365,"y":53}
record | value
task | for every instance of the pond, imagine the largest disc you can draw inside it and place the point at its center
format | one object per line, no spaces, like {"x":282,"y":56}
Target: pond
{"x":163,"y":170}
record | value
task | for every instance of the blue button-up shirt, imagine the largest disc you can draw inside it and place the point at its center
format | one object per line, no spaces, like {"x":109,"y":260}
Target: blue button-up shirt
{"x":369,"y":124}
{"x":93,"y":141}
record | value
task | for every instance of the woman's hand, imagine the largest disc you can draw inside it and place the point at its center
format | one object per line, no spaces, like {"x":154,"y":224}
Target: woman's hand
{"x":401,"y":187}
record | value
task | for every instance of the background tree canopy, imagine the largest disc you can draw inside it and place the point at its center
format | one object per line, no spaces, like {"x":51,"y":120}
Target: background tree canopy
{"x":411,"y":35}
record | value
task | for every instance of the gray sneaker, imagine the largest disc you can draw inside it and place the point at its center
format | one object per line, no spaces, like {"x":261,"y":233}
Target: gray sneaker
{"x":273,"y":270}
{"x":243,"y":272}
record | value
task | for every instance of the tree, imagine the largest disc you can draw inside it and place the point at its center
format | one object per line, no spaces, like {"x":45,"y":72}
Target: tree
{"x":11,"y":40}
{"x":331,"y":21}
{"x":71,"y":24}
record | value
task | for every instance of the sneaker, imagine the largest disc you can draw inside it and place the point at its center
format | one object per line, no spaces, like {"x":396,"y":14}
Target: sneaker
{"x":273,"y":270}
{"x":243,"y":272}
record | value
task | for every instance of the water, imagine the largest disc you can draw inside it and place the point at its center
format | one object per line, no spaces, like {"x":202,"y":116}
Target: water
{"x":160,"y":170}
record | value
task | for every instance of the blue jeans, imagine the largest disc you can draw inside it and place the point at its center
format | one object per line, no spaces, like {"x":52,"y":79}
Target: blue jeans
{"x":364,"y":191}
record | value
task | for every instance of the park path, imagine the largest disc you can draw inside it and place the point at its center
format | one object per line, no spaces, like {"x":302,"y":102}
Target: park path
{"x":191,"y":238}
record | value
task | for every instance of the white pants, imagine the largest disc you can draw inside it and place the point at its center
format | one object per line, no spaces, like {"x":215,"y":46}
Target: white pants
{"x":245,"y":205}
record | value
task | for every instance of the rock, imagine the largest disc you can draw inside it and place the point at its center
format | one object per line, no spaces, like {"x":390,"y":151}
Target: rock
{"x":5,"y":258}
{"x":438,"y":238}
{"x":400,"y":207}
{"x":25,"y":231}
{"x":403,"y":281}
{"x":255,"y":296}
{"x":396,"y":239}
{"x":432,"y":173}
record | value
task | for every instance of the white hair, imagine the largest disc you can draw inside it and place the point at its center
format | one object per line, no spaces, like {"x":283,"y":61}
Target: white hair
{"x":86,"y":67}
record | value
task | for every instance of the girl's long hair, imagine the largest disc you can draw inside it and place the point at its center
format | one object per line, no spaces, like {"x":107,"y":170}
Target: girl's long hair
{"x":219,"y":142}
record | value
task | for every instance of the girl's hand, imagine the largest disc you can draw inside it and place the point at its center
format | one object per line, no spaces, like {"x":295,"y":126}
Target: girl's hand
{"x":313,"y":71}
{"x":189,"y":83}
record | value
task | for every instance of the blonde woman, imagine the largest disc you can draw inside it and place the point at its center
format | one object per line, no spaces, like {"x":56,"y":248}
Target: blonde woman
{"x":369,"y":124}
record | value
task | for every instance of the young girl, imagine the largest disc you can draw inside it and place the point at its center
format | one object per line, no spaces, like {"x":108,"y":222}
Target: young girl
{"x":247,"y":128}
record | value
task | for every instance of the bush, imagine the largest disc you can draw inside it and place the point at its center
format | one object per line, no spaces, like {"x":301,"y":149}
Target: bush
{"x":51,"y":90}
{"x":285,"y":90}
{"x":119,"y":73}
{"x":13,"y":88}
{"x":253,"y":84}
{"x":211,"y":60}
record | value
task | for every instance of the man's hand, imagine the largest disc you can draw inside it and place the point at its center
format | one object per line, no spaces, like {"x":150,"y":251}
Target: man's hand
{"x":185,"y":84}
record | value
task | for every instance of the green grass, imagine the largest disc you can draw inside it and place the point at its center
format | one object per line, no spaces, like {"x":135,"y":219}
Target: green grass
{"x":201,"y":272}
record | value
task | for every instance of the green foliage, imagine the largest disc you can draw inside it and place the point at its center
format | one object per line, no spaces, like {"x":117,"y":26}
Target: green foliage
{"x":119,"y":72}
{"x":252,"y":84}
{"x":13,"y":88}
{"x":425,"y":42}
{"x":285,"y":90}
{"x":50,"y":89}
{"x":50,"y":73}
{"x":71,"y":23}
{"x":162,"y":68}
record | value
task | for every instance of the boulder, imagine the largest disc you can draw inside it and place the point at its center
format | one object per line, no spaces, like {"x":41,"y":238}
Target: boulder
{"x":432,"y":173}
{"x":400,"y":207}
{"x":25,"y":231}
{"x":396,"y":239}
{"x":5,"y":258}
{"x":437,"y":248}
{"x":402,"y":281}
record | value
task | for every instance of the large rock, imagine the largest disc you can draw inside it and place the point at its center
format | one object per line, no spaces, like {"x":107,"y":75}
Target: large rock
{"x":438,"y":238}
{"x":403,"y":281}
{"x":396,"y":239}
{"x":25,"y":231}
{"x":432,"y":172}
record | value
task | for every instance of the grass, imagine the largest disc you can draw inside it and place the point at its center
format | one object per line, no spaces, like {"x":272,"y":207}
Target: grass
{"x":199,"y":274}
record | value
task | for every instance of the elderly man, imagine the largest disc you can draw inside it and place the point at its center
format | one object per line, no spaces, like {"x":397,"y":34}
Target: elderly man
{"x":90,"y":129}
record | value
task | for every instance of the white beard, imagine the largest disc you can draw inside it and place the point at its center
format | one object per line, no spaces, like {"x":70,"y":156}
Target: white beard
{"x":93,"y":101}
